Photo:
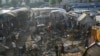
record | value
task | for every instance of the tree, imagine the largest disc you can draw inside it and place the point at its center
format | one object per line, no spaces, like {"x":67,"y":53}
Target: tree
{"x":89,"y":1}
{"x":59,"y":1}
{"x":46,"y":0}
{"x":52,"y":1}
{"x":14,"y":2}
{"x":0,"y":2}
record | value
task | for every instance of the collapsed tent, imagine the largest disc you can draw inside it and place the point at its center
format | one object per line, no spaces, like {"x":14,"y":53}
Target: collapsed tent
{"x":6,"y":16}
{"x":42,"y":19}
{"x":23,"y":15}
{"x":85,"y":19}
{"x":58,"y":16}
{"x":98,"y":18}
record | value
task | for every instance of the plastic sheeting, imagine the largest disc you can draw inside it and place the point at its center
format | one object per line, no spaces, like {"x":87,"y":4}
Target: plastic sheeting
{"x":98,"y":18}
{"x":81,"y":17}
{"x":86,"y":19}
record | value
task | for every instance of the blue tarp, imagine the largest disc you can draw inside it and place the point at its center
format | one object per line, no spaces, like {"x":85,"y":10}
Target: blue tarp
{"x":86,"y":6}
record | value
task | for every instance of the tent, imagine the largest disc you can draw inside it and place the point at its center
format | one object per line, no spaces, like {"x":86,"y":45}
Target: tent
{"x":6,"y":16}
{"x":42,"y":19}
{"x":85,"y":19}
{"x":97,"y":18}
{"x":59,"y":12}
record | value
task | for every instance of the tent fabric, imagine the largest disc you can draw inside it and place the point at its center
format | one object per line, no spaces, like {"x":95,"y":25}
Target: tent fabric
{"x":59,"y":12}
{"x":11,"y":14}
{"x":81,"y":17}
{"x":4,"y":16}
{"x":86,"y":19}
{"x":98,"y":19}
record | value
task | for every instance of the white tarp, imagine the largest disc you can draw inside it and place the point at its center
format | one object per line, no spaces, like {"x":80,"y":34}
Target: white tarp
{"x":98,"y":18}
{"x":60,"y":11}
{"x":81,"y":17}
{"x":10,"y":13}
{"x":86,"y":19}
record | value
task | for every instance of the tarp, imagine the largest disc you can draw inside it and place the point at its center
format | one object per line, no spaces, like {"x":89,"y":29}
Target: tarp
{"x":98,"y":18}
{"x":5,"y":11}
{"x":86,"y":19}
{"x":42,"y":19}
{"x":60,"y":13}
{"x":21,"y":9}
{"x":10,"y":14}
{"x":81,"y":17}
{"x":87,"y":5}
{"x":5,"y":16}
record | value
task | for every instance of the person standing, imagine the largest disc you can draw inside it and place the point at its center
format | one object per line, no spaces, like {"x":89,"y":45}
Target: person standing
{"x":62,"y":49}
{"x":1,"y":32}
{"x":56,"y":50}
{"x":59,"y":50}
